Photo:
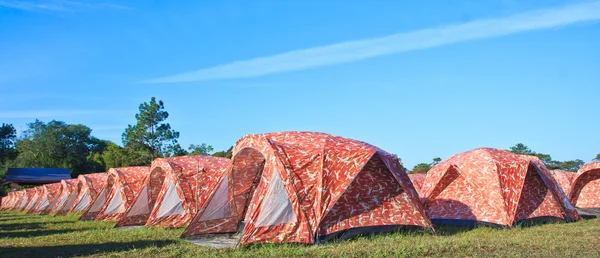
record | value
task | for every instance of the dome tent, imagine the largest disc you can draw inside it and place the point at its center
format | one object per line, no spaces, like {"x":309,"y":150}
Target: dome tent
{"x":417,"y":180}
{"x":564,"y":179}
{"x":490,"y":186}
{"x":585,"y":190}
{"x":27,"y":198}
{"x":66,"y":198}
{"x":49,"y":193}
{"x":122,"y":184}
{"x":89,"y":187}
{"x":37,"y":197}
{"x":307,"y":187}
{"x":174,"y":190}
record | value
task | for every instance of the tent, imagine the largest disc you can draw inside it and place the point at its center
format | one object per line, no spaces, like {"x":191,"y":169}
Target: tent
{"x":495,"y":187}
{"x":68,"y":193}
{"x":585,"y":192}
{"x":122,"y":185}
{"x":47,"y":191}
{"x":27,"y":196}
{"x":307,"y":187}
{"x":50,"y":192}
{"x":174,"y":190}
{"x":564,"y":179}
{"x":8,"y":201}
{"x":37,"y":197}
{"x":89,"y":187}
{"x":417,"y":180}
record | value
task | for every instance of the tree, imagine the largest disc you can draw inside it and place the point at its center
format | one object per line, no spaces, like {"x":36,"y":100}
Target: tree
{"x":224,"y":154}
{"x":597,"y":157}
{"x":423,"y":168}
{"x":520,"y":148}
{"x":8,"y":139}
{"x":57,"y":144}
{"x":151,"y":132}
{"x":569,"y":165}
{"x":116,"y":156}
{"x":202,"y":149}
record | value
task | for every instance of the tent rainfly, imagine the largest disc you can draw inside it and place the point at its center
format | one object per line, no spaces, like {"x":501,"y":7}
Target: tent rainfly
{"x":174,"y":190}
{"x":68,"y":192}
{"x":417,"y":180}
{"x":585,"y":191}
{"x":28,"y":197}
{"x":37,"y":197}
{"x":22,"y":199}
{"x":496,"y":187}
{"x":564,"y":179}
{"x":122,"y":184}
{"x":308,"y":187}
{"x":89,"y":186}
{"x":8,"y":201}
{"x":49,"y":193}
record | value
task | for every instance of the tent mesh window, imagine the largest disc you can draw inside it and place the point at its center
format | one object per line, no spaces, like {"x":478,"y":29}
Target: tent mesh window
{"x":70,"y":202}
{"x":171,"y":204}
{"x":116,"y":204}
{"x":141,"y":204}
{"x":276,"y":208}
{"x":44,"y":203}
{"x":219,"y":205}
{"x":97,"y":206}
{"x":84,"y":202}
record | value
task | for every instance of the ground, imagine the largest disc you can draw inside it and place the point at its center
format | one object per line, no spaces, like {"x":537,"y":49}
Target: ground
{"x":24,"y":235}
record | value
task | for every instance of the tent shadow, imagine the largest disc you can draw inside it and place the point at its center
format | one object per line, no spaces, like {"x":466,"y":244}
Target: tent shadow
{"x":81,"y":250}
{"x":33,"y":225}
{"x":35,"y":233}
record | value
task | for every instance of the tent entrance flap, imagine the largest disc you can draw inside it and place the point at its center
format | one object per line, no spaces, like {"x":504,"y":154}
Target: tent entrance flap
{"x":276,"y":207}
{"x":116,"y":204}
{"x":219,"y":205}
{"x":140,"y":207}
{"x":172,"y":203}
{"x":97,"y":206}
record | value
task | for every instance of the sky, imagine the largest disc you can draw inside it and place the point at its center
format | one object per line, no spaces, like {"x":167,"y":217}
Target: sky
{"x":420,"y":79}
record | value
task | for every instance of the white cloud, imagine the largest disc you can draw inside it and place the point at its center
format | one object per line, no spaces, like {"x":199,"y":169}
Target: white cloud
{"x":57,"y":5}
{"x":396,"y":43}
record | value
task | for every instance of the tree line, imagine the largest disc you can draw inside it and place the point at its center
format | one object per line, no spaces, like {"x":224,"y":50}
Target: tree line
{"x":520,"y":148}
{"x":72,"y":146}
{"x":57,"y":144}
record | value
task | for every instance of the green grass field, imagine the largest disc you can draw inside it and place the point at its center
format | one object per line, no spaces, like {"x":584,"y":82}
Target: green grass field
{"x":23,"y":235}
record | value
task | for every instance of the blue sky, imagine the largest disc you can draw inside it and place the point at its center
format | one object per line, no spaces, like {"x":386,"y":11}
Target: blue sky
{"x":417,"y":78}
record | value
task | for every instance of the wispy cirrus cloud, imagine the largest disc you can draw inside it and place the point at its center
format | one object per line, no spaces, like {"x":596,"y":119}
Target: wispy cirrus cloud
{"x":58,"y":5}
{"x":55,"y":113}
{"x":367,"y":48}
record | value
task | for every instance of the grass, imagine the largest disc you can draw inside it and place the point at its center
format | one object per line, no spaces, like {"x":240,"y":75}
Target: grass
{"x":24,"y":235}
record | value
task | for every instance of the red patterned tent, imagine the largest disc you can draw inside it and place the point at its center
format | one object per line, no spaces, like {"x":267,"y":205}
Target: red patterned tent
{"x":564,"y":179}
{"x":585,"y":192}
{"x":37,"y":197}
{"x":24,"y":197}
{"x":8,"y":201}
{"x":121,"y":187}
{"x":417,"y":180}
{"x":68,"y":192}
{"x":49,"y":193}
{"x":89,"y":187}
{"x":305,"y":187}
{"x":174,"y":190}
{"x":494,"y":187}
